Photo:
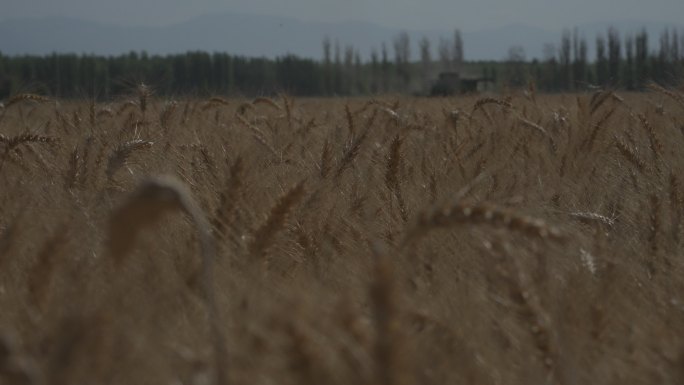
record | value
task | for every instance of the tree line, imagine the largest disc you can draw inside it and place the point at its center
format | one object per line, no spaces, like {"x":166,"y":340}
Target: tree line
{"x":191,"y":73}
{"x":625,"y":62}
{"x":619,"y":61}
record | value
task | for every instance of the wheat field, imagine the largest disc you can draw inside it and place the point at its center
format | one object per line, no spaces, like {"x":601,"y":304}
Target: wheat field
{"x":516,"y":239}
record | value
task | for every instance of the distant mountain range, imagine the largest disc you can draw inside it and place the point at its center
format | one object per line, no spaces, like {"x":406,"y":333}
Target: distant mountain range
{"x":270,"y":36}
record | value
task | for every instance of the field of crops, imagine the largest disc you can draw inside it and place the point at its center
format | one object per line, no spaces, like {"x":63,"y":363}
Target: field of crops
{"x":516,"y":239}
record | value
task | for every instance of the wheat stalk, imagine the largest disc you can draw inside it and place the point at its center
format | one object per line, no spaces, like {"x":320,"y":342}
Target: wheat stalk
{"x":392,"y":174}
{"x":259,"y":136}
{"x":72,"y":172}
{"x":166,"y":114}
{"x":326,"y":159}
{"x":533,"y":125}
{"x":42,"y":272}
{"x":350,"y":121}
{"x":387,"y":349}
{"x":676,"y":96}
{"x":589,"y":143}
{"x":598,"y":99}
{"x":154,"y":198}
{"x":288,"y":103}
{"x":229,"y":197}
{"x":655,"y":223}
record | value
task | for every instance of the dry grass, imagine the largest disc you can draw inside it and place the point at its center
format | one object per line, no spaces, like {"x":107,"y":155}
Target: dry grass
{"x":535,"y":240}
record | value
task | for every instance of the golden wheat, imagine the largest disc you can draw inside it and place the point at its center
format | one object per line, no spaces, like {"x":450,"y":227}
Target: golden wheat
{"x":388,"y":240}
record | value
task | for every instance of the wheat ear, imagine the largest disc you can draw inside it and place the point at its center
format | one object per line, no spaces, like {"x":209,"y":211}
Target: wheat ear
{"x":121,"y":154}
{"x":263,"y":236}
{"x":268,"y":102}
{"x":26,"y":97}
{"x":487,"y":214}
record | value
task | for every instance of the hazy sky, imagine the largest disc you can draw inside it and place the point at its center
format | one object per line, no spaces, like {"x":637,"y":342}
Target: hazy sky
{"x":410,"y":14}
